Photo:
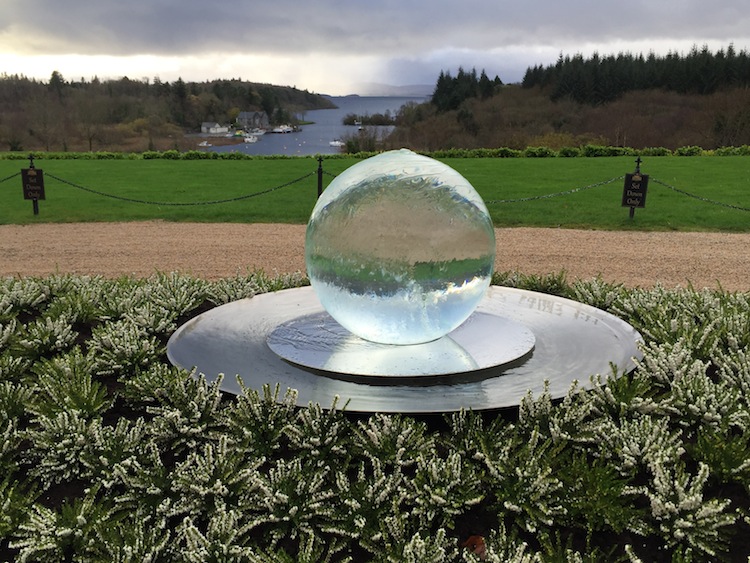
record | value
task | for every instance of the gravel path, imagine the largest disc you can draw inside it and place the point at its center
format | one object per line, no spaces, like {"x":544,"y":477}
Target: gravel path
{"x":212,"y":251}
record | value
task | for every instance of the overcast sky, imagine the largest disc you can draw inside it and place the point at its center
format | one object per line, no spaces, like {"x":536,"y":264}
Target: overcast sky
{"x":334,"y":46}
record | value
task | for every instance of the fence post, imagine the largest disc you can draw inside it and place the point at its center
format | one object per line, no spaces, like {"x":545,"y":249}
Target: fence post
{"x":320,"y":176}
{"x":637,"y":171}
{"x":33,"y":184}
{"x":634,"y":191}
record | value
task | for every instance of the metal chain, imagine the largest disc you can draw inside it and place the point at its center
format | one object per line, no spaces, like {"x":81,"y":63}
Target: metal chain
{"x":10,"y":177}
{"x":213,"y":202}
{"x":556,"y":194}
{"x":489,"y":202}
{"x":700,"y":198}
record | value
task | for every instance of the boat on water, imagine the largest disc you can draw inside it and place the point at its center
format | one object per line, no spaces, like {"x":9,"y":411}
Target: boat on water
{"x":282,"y":129}
{"x":337,"y":143}
{"x":204,"y":144}
{"x":251,"y":139}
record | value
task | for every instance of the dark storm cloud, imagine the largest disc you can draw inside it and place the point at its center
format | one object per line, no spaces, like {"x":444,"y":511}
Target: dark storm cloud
{"x":192,"y":26}
{"x":411,"y":40}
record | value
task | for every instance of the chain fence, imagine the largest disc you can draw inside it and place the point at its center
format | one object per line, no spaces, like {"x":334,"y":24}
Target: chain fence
{"x":556,"y":194}
{"x":10,"y":177}
{"x":178,"y":203}
{"x":306,"y":176}
{"x":700,"y":198}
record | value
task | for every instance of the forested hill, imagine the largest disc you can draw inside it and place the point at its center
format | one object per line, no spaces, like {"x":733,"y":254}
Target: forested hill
{"x":697,"y":99}
{"x":62,"y":114}
{"x":598,"y":79}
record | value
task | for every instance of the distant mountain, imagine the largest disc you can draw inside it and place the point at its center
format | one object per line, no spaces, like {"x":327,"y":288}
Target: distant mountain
{"x":407,"y":91}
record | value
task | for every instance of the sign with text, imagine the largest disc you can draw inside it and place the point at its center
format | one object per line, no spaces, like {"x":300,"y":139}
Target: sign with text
{"x":634,"y":193}
{"x":33,"y":183}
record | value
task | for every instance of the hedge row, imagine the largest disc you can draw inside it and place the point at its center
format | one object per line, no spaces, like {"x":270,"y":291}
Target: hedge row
{"x":502,"y":152}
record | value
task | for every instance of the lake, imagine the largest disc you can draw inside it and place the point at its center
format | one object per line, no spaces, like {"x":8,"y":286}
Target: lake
{"x":314,"y":138}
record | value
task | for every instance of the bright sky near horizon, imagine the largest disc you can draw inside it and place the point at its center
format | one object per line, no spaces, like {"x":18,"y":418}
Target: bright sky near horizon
{"x":338,"y":46}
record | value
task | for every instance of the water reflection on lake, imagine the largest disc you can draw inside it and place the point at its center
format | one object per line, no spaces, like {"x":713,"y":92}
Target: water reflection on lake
{"x":315,"y":138}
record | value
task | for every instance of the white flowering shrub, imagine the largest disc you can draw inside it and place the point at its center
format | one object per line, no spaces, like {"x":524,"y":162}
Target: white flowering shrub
{"x":393,"y":440}
{"x":80,"y":303}
{"x":68,"y":533}
{"x":554,"y":284}
{"x":400,"y":542}
{"x":221,"y":539}
{"x":8,"y":330}
{"x":109,"y":453}
{"x":725,"y":452}
{"x":295,"y":501}
{"x":443,"y":489}
{"x":238,"y":287}
{"x":11,"y":439}
{"x":152,"y":317}
{"x":59,"y":446}
{"x":213,"y":478}
{"x":69,"y":446}
{"x":15,"y":504}
{"x":598,"y":293}
{"x":700,"y":400}
{"x":187,"y":414}
{"x":21,"y":296}
{"x":733,"y":367}
{"x":258,"y":423}
{"x":227,"y":290}
{"x":421,"y":549}
{"x":683,"y":514}
{"x":14,"y":368}
{"x":66,"y":383}
{"x":367,"y":499}
{"x":46,"y":336}
{"x":122,"y":348}
{"x":15,"y":399}
{"x":630,"y":395}
{"x":319,"y":436}
{"x":130,"y":538}
{"x":142,"y":486}
{"x":521,"y":476}
{"x":120,"y":298}
{"x":176,"y":293}
{"x":152,"y":385}
{"x":639,"y":444}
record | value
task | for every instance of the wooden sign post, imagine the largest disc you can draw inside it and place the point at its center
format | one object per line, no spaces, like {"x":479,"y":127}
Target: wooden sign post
{"x":320,"y":176}
{"x":33,"y":184}
{"x":634,"y":192}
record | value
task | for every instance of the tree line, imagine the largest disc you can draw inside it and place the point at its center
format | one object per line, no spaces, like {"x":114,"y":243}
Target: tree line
{"x":379,"y":119}
{"x":451,"y":91}
{"x":701,"y":98}
{"x":601,"y":79}
{"x":66,"y":114}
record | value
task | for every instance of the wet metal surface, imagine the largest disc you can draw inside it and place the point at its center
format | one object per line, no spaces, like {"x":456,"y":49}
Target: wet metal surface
{"x":571,"y":341}
{"x":319,"y":343}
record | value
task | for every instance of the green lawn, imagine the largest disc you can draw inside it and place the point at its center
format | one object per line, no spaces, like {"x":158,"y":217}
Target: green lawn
{"x":722,"y":180}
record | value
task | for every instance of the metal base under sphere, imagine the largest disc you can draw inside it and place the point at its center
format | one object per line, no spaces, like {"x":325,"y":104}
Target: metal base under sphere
{"x":513,"y":343}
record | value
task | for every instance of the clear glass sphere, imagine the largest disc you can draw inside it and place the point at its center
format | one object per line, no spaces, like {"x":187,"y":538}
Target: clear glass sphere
{"x":400,"y":248}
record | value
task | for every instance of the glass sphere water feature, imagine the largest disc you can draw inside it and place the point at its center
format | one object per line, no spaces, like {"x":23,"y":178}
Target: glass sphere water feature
{"x":400,"y":249}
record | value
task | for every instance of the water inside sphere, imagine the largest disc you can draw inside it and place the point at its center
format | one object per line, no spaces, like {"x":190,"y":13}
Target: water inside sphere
{"x":400,"y":248}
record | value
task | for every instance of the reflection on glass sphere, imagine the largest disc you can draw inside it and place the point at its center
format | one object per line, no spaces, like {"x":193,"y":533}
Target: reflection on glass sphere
{"x":400,"y":248}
